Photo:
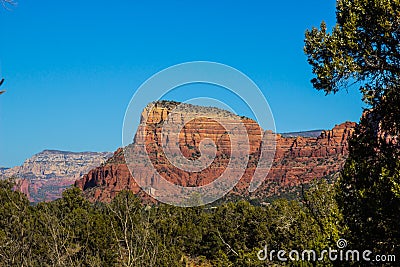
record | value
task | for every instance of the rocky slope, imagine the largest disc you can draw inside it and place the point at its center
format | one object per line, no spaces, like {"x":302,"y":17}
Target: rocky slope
{"x":45,"y":175}
{"x":297,"y":160}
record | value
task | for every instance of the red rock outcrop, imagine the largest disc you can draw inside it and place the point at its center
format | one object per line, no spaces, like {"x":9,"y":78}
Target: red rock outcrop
{"x":297,"y":159}
{"x":301,"y":159}
{"x":22,"y":185}
{"x":104,"y":182}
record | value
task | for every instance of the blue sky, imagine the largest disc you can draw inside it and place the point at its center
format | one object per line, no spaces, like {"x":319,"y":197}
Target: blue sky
{"x":71,"y":67}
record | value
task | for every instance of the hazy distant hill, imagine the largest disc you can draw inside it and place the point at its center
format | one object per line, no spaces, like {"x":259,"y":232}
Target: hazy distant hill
{"x":313,"y":133}
{"x":49,"y":172}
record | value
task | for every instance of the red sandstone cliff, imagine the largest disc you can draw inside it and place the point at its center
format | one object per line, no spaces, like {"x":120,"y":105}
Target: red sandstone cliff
{"x":22,"y":185}
{"x":302,"y":159}
{"x":297,"y":159}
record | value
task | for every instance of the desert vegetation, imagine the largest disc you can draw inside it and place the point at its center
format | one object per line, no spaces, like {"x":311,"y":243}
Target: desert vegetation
{"x":74,"y":232}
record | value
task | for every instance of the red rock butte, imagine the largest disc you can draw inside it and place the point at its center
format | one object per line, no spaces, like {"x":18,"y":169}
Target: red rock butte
{"x":298,"y":160}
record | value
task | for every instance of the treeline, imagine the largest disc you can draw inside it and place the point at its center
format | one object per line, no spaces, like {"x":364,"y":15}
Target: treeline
{"x":74,"y":232}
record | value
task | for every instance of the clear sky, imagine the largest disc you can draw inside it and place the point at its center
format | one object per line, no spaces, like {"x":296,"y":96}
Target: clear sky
{"x":71,"y":67}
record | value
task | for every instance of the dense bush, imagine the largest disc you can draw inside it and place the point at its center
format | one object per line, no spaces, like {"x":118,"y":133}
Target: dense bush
{"x":74,"y":232}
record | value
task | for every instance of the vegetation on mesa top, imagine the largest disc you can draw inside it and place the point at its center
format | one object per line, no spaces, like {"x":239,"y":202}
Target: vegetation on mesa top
{"x":186,"y":108}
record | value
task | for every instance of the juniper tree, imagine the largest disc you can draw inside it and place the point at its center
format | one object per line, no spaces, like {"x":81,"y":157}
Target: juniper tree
{"x":363,"y":51}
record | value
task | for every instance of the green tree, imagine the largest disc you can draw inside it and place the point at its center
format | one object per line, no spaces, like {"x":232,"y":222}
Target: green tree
{"x":16,"y":231}
{"x":73,"y":232}
{"x":363,"y":50}
{"x":369,"y":194}
{"x":131,"y":229}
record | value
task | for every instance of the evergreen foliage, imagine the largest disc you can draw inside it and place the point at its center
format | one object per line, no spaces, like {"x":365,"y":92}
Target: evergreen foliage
{"x":363,"y":49}
{"x":74,"y":232}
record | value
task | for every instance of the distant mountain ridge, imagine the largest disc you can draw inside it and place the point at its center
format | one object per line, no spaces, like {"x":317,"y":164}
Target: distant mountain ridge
{"x":311,"y":133}
{"x":45,"y":175}
{"x":56,"y":151}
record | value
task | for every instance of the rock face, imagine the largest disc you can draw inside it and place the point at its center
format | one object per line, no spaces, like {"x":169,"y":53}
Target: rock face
{"x":104,"y":182}
{"x":44,"y":176}
{"x":297,"y":160}
{"x":22,"y":185}
{"x":301,"y":159}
